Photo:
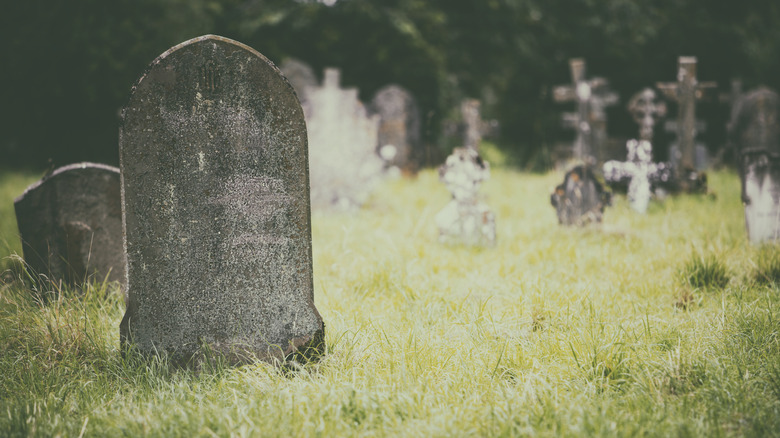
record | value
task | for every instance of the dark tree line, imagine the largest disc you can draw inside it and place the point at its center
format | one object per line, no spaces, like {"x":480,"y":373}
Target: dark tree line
{"x":67,"y":66}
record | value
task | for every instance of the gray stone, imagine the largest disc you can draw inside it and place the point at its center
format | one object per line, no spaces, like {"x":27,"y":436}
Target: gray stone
{"x":685,"y":92}
{"x":646,"y":111}
{"x":465,"y":219}
{"x":215,"y":191}
{"x":70,"y":223}
{"x":581,"y":198}
{"x":343,"y":161}
{"x":592,"y":96}
{"x":300,"y":75}
{"x":638,"y":168}
{"x":472,"y":123}
{"x":399,"y":127}
{"x":755,"y":131}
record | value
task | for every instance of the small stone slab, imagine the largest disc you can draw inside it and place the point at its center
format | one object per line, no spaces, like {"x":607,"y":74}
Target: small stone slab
{"x":755,"y":129}
{"x":213,"y":152}
{"x":399,"y":127}
{"x":70,"y":223}
{"x":581,"y":198}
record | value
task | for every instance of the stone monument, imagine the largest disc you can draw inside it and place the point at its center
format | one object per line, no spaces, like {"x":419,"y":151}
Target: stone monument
{"x":646,"y":111}
{"x":590,"y":120}
{"x":685,"y":92}
{"x":70,"y":223}
{"x":581,"y":198}
{"x":638,"y":168}
{"x":300,"y":75}
{"x":399,"y":141}
{"x":755,"y":131}
{"x":466,"y":219}
{"x":343,"y":161}
{"x":215,"y":194}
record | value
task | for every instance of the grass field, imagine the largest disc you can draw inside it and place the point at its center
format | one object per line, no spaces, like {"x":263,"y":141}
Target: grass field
{"x":658,"y":325}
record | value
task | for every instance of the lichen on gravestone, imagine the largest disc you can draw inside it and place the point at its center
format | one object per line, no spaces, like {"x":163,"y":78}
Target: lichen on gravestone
{"x":213,"y":152}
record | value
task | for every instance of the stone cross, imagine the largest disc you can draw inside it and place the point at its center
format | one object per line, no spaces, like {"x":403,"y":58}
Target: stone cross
{"x":686,"y":91}
{"x":581,"y":198}
{"x":472,"y":123}
{"x":646,"y":111}
{"x":70,"y":223}
{"x":215,"y":192}
{"x":755,"y":130}
{"x":343,"y":138}
{"x":639,"y":168}
{"x":590,"y":121}
{"x":399,"y":141}
{"x":466,"y":219}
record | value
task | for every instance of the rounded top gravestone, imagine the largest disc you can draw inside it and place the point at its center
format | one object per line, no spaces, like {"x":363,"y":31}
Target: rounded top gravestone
{"x":70,"y":223}
{"x":216,"y":210}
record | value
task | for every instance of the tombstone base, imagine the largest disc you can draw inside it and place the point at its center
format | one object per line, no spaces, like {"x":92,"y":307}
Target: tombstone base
{"x":467,"y":224}
{"x":301,"y":349}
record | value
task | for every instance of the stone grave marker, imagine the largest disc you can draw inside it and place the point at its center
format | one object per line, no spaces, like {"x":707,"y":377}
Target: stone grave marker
{"x":638,"y":169}
{"x":590,"y":120}
{"x":646,"y":111}
{"x":399,"y":141}
{"x":343,"y":161}
{"x":686,"y":91}
{"x":70,"y":223}
{"x":472,"y":123}
{"x":581,"y":198}
{"x":755,"y":130}
{"x":465,"y":219}
{"x":300,"y":75}
{"x":215,"y":191}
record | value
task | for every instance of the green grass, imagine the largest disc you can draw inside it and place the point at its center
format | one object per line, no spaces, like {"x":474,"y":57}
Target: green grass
{"x":555,"y":331}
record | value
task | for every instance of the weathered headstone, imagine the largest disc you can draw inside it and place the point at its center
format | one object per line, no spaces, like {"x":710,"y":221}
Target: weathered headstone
{"x":581,"y":198}
{"x":300,"y":75}
{"x":215,"y":192}
{"x":590,"y":120}
{"x":646,"y":111}
{"x":755,"y":130}
{"x":399,"y":127}
{"x":472,"y":123}
{"x":638,"y":168}
{"x":466,"y":219}
{"x":70,"y":223}
{"x":343,"y":161}
{"x":686,"y":91}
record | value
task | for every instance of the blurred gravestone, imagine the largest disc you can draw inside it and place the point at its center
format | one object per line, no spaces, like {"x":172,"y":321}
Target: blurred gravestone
{"x":70,"y":223}
{"x":646,"y":111}
{"x":300,"y":75}
{"x":686,"y":155}
{"x":581,"y":198}
{"x":399,"y":127}
{"x":472,"y":123}
{"x":216,"y":209}
{"x":754,"y":129}
{"x":638,"y":169}
{"x":466,"y":219}
{"x":590,"y":120}
{"x":343,"y":161}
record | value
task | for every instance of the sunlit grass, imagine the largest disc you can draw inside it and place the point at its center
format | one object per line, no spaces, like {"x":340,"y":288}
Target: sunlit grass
{"x":555,"y":331}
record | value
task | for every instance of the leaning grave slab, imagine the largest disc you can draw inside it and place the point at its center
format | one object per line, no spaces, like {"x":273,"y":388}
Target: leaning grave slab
{"x":215,"y":191}
{"x":70,"y":223}
{"x":755,"y":129}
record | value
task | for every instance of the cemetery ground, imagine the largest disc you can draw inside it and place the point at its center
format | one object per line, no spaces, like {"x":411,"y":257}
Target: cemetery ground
{"x":664,"y":324}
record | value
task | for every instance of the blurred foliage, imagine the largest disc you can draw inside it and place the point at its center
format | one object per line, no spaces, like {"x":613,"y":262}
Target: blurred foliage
{"x":68,"y":66}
